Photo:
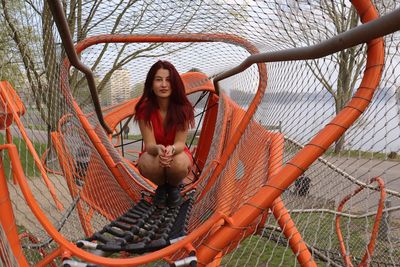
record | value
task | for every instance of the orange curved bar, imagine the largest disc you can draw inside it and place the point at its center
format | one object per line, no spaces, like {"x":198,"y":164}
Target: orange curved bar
{"x":66,"y":245}
{"x":193,"y":82}
{"x":122,"y":111}
{"x":9,"y":139}
{"x":374,"y":234}
{"x":158,"y":38}
{"x":63,"y":160}
{"x":279,"y":210}
{"x":49,"y":258}
{"x":3,"y":87}
{"x":7,"y":219}
{"x":306,"y":156}
{"x":162,"y":38}
{"x":242,"y":125}
{"x":43,"y":160}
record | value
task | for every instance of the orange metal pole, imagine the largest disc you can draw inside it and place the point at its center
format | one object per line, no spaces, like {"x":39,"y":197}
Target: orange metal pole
{"x":305,"y":157}
{"x":371,"y":245}
{"x":10,"y":141}
{"x":75,"y":251}
{"x":48,"y":260}
{"x":70,"y":183}
{"x":172,"y":38}
{"x":31,"y":148}
{"x":7,"y":216}
{"x":279,"y":210}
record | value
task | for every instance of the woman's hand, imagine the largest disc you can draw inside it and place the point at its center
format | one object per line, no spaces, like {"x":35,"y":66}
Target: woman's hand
{"x":165,"y":156}
{"x":160,"y":150}
{"x":170,"y":150}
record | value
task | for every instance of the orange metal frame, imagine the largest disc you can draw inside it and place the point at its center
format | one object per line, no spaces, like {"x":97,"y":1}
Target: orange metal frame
{"x":7,"y":95}
{"x":7,"y":215}
{"x":65,"y":245}
{"x":371,"y":245}
{"x":305,"y":157}
{"x":264,"y":199}
{"x":131,"y":38}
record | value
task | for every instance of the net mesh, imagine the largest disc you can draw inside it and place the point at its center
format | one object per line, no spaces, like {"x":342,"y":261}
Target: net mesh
{"x":89,"y":175}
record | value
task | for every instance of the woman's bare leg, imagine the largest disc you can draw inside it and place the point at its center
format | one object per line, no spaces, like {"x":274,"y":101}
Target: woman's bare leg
{"x":149,"y":167}
{"x":179,"y":169}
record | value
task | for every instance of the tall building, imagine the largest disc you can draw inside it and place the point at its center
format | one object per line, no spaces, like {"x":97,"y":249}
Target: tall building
{"x":120,"y":84}
{"x":118,"y":88}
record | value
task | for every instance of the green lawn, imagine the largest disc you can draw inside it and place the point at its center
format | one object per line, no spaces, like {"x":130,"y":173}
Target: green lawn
{"x":260,"y":251}
{"x":25,"y":156}
{"x":366,"y":154}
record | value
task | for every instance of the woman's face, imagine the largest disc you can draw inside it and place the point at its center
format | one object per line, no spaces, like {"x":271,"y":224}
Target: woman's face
{"x":161,"y":84}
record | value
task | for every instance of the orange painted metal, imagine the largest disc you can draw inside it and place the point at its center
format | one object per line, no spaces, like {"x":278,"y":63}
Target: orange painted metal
{"x":97,"y":202}
{"x":305,"y":157}
{"x":96,"y":141}
{"x":146,"y":38}
{"x":262,"y":200}
{"x":245,"y":120}
{"x":49,"y":259}
{"x":7,"y":219}
{"x":12,"y":102}
{"x":374,"y":234}
{"x":5,"y":88}
{"x":75,"y":251}
{"x":279,"y":210}
{"x":207,"y":131}
{"x":68,"y":174}
{"x":9,"y":140}
{"x":193,"y":82}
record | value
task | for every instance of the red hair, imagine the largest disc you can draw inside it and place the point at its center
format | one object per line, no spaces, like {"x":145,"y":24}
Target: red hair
{"x":180,"y":110}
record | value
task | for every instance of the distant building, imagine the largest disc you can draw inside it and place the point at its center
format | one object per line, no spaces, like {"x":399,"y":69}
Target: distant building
{"x":117,"y":89}
{"x":105,"y":95}
{"x":120,"y":86}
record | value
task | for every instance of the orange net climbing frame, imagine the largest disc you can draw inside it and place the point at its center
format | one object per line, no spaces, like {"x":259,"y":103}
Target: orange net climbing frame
{"x":285,"y":151}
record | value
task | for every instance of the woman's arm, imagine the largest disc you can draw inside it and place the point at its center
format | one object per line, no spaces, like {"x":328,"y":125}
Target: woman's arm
{"x":180,"y":142}
{"x":149,"y":140}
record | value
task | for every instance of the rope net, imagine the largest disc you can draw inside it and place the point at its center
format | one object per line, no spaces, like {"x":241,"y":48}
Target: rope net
{"x":82,"y":178}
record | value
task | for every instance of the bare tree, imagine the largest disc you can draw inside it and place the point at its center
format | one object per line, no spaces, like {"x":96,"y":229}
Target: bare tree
{"x":328,"y":18}
{"x":41,"y":60}
{"x":88,"y":18}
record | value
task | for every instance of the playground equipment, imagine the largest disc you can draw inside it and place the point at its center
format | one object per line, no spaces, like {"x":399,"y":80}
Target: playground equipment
{"x":295,"y":147}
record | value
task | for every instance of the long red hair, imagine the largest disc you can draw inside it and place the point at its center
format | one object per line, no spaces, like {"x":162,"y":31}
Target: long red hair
{"x":180,"y":110}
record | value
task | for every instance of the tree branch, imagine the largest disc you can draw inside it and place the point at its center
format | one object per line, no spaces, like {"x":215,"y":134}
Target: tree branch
{"x":320,"y":77}
{"x":26,"y":55}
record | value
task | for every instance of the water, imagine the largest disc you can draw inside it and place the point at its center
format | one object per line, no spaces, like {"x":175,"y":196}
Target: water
{"x":378,"y":129}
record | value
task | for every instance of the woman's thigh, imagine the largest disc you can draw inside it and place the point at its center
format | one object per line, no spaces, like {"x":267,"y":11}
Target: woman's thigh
{"x":149,"y":167}
{"x":180,"y":167}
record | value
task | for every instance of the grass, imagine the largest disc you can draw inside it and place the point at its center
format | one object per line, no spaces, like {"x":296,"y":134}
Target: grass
{"x":365,"y":154}
{"x":25,"y":156}
{"x":316,"y":229}
{"x":37,"y":127}
{"x":260,"y":251}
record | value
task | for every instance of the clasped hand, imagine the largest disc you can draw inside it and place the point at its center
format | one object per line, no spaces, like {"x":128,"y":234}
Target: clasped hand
{"x":166,"y":155}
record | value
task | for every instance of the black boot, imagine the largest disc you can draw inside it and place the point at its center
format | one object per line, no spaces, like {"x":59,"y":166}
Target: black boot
{"x":174,"y":196}
{"x":160,"y":196}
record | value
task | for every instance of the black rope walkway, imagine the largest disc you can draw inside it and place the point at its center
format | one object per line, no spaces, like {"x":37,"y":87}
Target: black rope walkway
{"x":143,"y":228}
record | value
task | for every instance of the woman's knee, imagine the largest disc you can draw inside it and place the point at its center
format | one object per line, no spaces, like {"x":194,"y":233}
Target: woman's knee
{"x":150,"y":167}
{"x":179,"y":166}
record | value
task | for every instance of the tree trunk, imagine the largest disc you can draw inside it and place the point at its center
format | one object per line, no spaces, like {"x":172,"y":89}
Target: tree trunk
{"x":339,"y":144}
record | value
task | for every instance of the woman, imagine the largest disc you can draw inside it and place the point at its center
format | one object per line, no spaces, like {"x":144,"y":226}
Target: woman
{"x":164,"y":115}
